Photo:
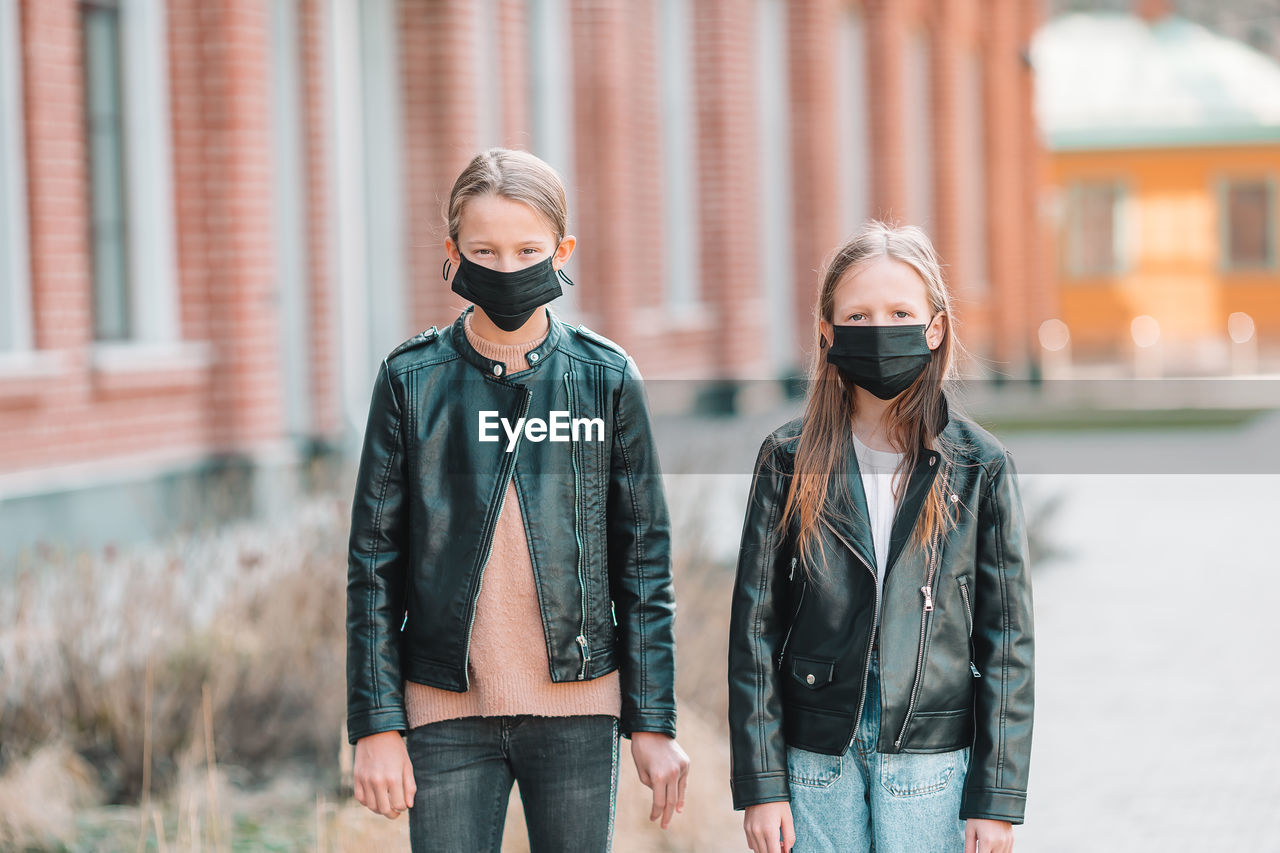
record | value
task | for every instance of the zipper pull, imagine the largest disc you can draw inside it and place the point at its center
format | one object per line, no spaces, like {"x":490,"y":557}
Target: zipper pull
{"x":614,"y":611}
{"x":974,"y":669}
{"x":586,"y":653}
{"x":928,"y":598}
{"x":792,"y":576}
{"x":405,"y":621}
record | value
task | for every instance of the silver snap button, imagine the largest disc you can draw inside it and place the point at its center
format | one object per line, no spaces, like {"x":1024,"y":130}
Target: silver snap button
{"x":809,"y":678}
{"x":932,"y":461}
{"x":533,"y":358}
{"x":497,"y":370}
{"x":955,"y":498}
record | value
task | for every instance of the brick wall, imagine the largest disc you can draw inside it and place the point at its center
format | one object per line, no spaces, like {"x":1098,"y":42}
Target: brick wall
{"x":229,"y":399}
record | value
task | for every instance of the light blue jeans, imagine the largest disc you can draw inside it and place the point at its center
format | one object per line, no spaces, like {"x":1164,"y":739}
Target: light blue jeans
{"x":866,"y":801}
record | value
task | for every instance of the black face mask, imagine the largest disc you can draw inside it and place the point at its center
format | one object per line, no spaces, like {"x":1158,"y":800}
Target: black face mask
{"x":883,"y":359}
{"x":508,"y":298}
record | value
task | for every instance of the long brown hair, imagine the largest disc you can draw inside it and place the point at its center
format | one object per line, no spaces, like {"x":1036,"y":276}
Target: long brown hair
{"x":826,"y":437}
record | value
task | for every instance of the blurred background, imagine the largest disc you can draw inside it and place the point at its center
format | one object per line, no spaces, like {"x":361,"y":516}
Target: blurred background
{"x":218,"y":216}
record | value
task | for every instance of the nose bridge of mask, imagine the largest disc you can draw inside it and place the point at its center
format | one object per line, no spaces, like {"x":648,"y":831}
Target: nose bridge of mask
{"x":482,"y":278}
{"x":878,"y":341}
{"x":509,"y":298}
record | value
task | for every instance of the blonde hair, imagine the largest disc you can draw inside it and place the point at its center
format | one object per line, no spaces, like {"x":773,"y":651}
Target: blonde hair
{"x":515,"y":175}
{"x":826,"y":435}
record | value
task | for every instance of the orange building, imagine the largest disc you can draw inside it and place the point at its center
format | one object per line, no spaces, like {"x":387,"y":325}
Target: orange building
{"x":1164,"y":143}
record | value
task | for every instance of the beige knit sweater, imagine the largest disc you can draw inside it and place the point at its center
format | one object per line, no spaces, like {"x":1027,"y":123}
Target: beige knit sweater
{"x":509,"y":674}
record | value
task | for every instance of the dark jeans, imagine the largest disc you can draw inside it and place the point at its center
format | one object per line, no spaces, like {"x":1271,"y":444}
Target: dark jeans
{"x":566,"y":767}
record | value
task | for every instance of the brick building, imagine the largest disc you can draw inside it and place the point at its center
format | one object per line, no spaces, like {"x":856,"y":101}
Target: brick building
{"x":216,"y":216}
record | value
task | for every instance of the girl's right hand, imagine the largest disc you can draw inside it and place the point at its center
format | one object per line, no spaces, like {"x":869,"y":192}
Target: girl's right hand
{"x":764,"y":823}
{"x":383,"y":774}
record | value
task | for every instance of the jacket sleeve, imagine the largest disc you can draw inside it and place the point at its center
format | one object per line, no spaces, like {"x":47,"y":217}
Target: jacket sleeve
{"x":758,"y":751}
{"x":996,"y":784}
{"x":376,"y":566}
{"x":639,"y":547}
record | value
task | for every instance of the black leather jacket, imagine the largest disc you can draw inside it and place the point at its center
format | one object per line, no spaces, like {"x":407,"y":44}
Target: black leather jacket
{"x":955,"y":636}
{"x":427,"y":498}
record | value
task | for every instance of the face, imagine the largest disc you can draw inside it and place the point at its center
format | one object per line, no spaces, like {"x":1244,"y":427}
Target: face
{"x":506,"y":236}
{"x":885,"y":292}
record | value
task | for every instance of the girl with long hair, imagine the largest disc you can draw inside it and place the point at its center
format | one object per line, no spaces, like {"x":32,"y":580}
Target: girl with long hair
{"x":880,"y":653}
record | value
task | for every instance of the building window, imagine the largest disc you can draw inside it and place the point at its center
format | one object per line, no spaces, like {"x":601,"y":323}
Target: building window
{"x":1248,"y":224}
{"x":972,"y":179}
{"x":1094,"y":229}
{"x":488,"y":80}
{"x":854,"y":128}
{"x":551,"y":85}
{"x":773,"y":117}
{"x":679,"y":132}
{"x":390,"y":321}
{"x":15,"y":278}
{"x":919,"y":138}
{"x":552,"y":106}
{"x":131,"y":221}
{"x":104,"y":125}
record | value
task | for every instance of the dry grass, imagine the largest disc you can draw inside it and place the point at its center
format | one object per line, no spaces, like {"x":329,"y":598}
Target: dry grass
{"x":148,"y":664}
{"x":190,"y":696}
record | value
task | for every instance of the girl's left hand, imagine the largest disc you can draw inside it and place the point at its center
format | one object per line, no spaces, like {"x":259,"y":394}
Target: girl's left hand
{"x":988,"y":836}
{"x":664,"y":767}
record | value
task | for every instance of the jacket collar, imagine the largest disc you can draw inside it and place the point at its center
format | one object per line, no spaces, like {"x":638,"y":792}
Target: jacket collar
{"x":855,"y":526}
{"x":493,"y":367}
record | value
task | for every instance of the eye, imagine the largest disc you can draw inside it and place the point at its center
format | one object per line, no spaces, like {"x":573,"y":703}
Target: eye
{"x":482,"y":252}
{"x":901,"y":314}
{"x":855,"y":317}
{"x":528,"y":250}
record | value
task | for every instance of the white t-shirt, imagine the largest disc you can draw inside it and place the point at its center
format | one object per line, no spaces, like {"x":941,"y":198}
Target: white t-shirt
{"x":878,"y":468}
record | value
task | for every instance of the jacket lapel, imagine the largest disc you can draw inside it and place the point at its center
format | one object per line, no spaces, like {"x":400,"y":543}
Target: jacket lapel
{"x":921,"y":480}
{"x":904,"y":519}
{"x":855,"y":527}
{"x":852,"y":525}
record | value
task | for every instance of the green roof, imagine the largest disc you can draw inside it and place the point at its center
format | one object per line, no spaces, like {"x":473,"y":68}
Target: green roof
{"x":1113,"y":80}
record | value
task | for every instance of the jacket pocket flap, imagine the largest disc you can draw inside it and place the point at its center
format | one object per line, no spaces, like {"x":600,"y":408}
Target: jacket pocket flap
{"x":812,"y":672}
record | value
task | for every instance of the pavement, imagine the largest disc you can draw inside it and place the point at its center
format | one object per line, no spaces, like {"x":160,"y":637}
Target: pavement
{"x":1158,"y":690}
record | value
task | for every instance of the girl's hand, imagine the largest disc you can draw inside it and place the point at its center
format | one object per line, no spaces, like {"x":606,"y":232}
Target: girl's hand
{"x":988,"y":836}
{"x":664,"y":767}
{"x":763,"y":824}
{"x":383,"y":774}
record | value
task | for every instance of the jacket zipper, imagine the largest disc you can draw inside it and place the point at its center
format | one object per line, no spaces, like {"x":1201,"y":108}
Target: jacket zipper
{"x":875,"y":620}
{"x":968,"y":612}
{"x":927,"y":591}
{"x":795,"y":615}
{"x":488,"y":545}
{"x":577,"y":535}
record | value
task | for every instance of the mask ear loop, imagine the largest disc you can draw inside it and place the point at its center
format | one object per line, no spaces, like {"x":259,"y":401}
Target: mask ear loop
{"x":444,"y":272}
{"x":565,"y":276}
